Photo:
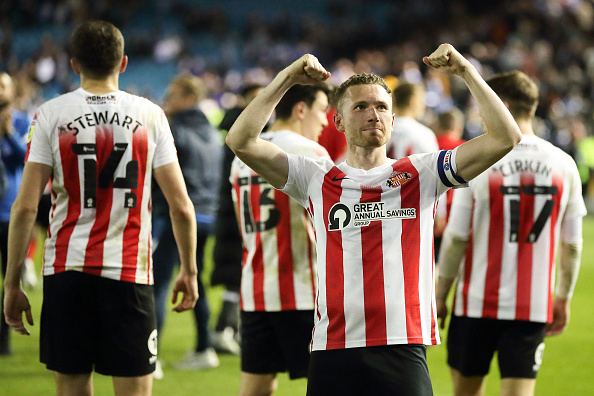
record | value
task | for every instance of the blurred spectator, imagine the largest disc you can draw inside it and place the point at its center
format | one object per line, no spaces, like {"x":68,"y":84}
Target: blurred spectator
{"x":409,"y":136}
{"x":449,"y":129}
{"x":228,"y":249}
{"x":14,"y":126}
{"x":214,"y":41}
{"x":199,"y":151}
{"x":331,"y":138}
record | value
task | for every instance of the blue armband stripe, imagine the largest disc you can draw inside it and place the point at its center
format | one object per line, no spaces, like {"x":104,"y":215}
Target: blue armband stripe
{"x":441,"y":171}
{"x":458,"y":178}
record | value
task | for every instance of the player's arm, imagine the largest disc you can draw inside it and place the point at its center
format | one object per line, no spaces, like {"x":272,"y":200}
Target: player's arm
{"x":183,"y":221}
{"x":451,"y":253}
{"x":453,"y":247}
{"x":22,"y":219}
{"x":476,"y":155}
{"x":570,"y":254}
{"x":265,"y":158}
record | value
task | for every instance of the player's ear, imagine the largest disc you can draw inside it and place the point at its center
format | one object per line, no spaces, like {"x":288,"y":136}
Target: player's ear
{"x":299,"y":110}
{"x":338,"y":122}
{"x":74,"y":65}
{"x":124,"y":64}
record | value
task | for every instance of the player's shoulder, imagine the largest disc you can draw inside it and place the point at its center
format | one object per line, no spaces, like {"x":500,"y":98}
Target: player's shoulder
{"x":430,"y":159}
{"x":66,"y":99}
{"x":546,"y":148}
{"x":409,"y":125}
{"x":295,"y":143}
{"x":127,"y":98}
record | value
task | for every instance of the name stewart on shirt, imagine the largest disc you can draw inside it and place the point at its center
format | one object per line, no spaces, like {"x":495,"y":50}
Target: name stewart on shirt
{"x":106,"y":117}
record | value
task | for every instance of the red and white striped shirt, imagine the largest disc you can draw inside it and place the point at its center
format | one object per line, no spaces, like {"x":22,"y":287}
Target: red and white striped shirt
{"x":512,"y":214}
{"x":102,"y":149}
{"x":374,"y":234}
{"x":278,"y":269}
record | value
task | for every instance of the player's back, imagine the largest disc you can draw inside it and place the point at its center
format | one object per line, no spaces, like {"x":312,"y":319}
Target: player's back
{"x":517,"y":209}
{"x":279,"y":244}
{"x":410,"y":137}
{"x":102,"y":149}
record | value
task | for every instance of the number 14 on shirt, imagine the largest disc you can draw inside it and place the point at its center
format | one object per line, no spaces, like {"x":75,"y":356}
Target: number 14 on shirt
{"x":106,"y":174}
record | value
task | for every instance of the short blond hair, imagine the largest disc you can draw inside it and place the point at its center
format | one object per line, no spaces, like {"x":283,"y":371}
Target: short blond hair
{"x":191,"y":85}
{"x":359,"y":79}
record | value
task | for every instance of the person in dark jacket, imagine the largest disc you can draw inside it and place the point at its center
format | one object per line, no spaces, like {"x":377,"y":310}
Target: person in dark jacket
{"x":199,"y":149}
{"x":228,"y":248}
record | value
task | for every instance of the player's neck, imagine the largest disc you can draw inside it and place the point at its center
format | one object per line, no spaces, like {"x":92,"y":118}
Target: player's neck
{"x":99,"y":87}
{"x":366,"y":158}
{"x":525,"y":126}
{"x":286,"y":125}
{"x":405,"y":113}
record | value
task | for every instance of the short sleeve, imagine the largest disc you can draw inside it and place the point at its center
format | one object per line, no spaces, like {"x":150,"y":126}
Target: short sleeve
{"x":314,"y":151}
{"x":39,"y":146}
{"x":461,"y":213}
{"x":165,"y":152}
{"x":576,"y":207}
{"x":301,"y":171}
{"x":442,"y":164}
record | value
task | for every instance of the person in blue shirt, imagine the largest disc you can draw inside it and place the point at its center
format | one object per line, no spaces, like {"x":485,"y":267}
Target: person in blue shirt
{"x":14,"y":126}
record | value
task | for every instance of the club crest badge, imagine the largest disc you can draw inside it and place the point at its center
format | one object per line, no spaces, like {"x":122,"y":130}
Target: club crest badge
{"x":397,"y":179}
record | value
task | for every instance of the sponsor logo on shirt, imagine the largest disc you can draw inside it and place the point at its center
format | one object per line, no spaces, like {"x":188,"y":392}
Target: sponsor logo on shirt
{"x":31,"y":132}
{"x":103,"y":99}
{"x":335,"y":179}
{"x":362,"y":214}
{"x":446,"y":161}
{"x":397,"y":179}
{"x":31,"y":128}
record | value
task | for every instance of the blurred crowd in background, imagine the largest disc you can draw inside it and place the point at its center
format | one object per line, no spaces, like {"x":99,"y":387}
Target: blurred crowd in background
{"x":234,"y":43}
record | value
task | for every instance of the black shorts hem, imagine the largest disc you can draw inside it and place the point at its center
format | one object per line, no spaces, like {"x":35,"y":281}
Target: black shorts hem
{"x":276,"y":342}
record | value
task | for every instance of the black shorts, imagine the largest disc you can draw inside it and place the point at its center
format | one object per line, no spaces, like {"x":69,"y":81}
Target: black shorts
{"x":472,"y":343}
{"x":275,"y":342}
{"x":43,"y":210}
{"x":378,"y":371}
{"x":89,"y":322}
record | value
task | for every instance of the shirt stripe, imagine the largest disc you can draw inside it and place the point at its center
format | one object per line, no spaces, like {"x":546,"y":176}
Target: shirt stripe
{"x":285,"y":253}
{"x":559,"y":182}
{"x":411,"y":237}
{"x":331,"y":192}
{"x":258,"y":258}
{"x":95,"y":247}
{"x":72,"y":185}
{"x":134,"y":254}
{"x":495,"y":248}
{"x":373,"y":276}
{"x":524,"y":281}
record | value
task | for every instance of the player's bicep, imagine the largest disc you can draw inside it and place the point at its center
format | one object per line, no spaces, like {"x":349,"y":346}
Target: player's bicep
{"x":33,"y":182}
{"x":478,"y":154}
{"x":267,"y":160}
{"x":171,"y":181}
